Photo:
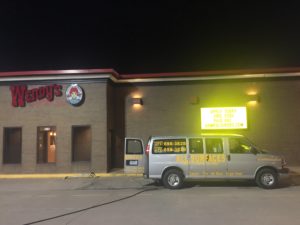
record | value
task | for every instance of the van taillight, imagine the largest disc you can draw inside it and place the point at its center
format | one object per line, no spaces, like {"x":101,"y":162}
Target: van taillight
{"x":147,"y":149}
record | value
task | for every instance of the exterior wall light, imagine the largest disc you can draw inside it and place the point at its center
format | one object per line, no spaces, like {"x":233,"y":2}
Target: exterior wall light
{"x":194,"y":100}
{"x":137,"y":101}
{"x":253,"y":99}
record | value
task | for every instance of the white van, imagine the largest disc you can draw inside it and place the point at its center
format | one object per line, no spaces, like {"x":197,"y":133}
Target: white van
{"x":175,"y":159}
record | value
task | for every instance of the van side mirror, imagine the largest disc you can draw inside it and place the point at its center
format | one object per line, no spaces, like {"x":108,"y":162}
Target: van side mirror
{"x":253,"y":150}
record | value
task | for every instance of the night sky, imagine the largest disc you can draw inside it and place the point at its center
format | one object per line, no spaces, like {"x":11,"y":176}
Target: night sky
{"x":148,"y":36}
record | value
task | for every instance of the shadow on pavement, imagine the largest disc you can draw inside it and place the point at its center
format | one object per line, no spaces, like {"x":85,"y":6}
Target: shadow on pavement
{"x":221,"y":183}
{"x":294,"y":180}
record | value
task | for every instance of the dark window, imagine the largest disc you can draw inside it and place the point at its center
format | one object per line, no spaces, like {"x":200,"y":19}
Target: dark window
{"x":214,"y":146}
{"x":239,"y":146}
{"x":196,"y":145}
{"x":12,"y":146}
{"x":169,"y":146}
{"x":81,"y":143}
{"x":134,"y":147}
{"x":46,"y":145}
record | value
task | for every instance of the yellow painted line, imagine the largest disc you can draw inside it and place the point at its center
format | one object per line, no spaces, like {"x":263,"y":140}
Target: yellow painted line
{"x":65,"y":175}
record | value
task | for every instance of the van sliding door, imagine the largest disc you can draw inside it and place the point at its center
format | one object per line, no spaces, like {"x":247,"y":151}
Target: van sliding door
{"x":215,"y":161}
{"x":196,"y":158}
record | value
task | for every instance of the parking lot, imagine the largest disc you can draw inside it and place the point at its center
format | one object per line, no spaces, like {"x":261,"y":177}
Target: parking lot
{"x":134,"y":200}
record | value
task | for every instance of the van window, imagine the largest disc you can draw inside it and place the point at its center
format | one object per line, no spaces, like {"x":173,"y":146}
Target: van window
{"x":169,"y":146}
{"x":134,"y":147}
{"x":214,"y":145}
{"x":196,"y":145}
{"x":239,"y":146}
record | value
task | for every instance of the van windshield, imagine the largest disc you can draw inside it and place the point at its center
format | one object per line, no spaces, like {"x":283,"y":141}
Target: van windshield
{"x":255,"y":147}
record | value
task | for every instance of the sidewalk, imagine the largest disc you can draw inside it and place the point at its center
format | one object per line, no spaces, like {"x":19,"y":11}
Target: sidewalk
{"x":115,"y":173}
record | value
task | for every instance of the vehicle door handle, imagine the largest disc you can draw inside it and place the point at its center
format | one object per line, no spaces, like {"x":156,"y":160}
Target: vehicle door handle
{"x":228,"y":157}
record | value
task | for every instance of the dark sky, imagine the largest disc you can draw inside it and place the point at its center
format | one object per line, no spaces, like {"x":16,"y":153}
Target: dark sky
{"x":148,"y":36}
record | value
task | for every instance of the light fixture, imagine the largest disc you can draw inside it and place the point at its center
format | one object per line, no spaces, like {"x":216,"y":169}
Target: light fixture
{"x":194,"y":100}
{"x":52,"y":133}
{"x":253,"y":99}
{"x":137,"y":101}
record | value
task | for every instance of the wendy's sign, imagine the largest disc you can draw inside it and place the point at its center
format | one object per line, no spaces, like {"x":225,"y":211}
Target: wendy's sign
{"x":75,"y":95}
{"x":21,"y":94}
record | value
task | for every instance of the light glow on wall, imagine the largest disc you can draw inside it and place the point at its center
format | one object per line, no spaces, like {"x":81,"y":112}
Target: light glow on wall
{"x":137,"y":101}
{"x":224,"y":118}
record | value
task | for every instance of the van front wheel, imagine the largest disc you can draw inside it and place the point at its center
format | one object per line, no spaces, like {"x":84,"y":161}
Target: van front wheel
{"x":173,"y":179}
{"x":266,"y":178}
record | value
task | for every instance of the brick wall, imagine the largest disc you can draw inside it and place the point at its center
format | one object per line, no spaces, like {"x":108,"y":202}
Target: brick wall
{"x":63,"y":116}
{"x":168,"y":109}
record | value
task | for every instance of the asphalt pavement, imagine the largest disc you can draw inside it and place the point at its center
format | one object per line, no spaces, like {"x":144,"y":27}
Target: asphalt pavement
{"x":73,"y":199}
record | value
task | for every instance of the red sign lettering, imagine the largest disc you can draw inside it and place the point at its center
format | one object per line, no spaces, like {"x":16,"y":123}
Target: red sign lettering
{"x":21,"y":95}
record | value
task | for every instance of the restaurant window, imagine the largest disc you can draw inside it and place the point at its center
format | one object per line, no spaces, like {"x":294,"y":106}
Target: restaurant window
{"x":12,"y":145}
{"x":81,"y":143}
{"x":46,"y":144}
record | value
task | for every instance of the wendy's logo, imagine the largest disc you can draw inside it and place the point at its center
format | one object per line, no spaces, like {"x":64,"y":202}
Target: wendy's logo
{"x":21,"y":94}
{"x":75,"y":95}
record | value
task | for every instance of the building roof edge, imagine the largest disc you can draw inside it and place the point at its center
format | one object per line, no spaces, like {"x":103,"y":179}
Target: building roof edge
{"x":58,"y":72}
{"x":150,"y":77}
{"x":207,"y":73}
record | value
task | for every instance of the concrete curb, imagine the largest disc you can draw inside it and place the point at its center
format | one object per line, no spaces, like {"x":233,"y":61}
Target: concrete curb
{"x":65,"y":175}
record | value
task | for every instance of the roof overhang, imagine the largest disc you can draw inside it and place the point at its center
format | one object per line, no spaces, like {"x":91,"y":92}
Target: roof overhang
{"x":87,"y":74}
{"x":46,"y":75}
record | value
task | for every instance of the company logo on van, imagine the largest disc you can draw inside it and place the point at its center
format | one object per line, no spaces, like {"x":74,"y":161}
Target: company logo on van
{"x":75,"y":95}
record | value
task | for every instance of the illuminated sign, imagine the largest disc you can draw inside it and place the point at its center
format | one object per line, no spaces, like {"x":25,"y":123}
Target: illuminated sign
{"x":74,"y":94}
{"x":21,"y":94}
{"x":223,"y":118}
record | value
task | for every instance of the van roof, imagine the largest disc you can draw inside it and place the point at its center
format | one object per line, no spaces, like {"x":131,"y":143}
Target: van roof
{"x":197,"y":135}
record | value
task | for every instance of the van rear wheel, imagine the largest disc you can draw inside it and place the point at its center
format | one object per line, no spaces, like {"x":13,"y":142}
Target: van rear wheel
{"x":266,"y":178}
{"x":173,"y":179}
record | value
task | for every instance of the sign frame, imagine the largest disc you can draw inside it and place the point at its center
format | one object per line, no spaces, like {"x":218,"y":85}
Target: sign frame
{"x":75,"y":95}
{"x":224,"y":118}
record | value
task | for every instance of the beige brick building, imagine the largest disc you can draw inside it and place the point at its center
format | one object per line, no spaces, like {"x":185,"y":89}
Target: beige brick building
{"x":41,"y":132}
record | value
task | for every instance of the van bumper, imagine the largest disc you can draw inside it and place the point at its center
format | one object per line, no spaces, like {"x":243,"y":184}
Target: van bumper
{"x":284,"y":173}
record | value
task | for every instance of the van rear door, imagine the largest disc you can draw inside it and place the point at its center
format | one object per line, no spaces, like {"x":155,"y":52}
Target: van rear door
{"x":134,"y":156}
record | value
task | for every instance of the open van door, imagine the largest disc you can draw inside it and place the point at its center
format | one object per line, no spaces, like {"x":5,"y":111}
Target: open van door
{"x":134,"y":156}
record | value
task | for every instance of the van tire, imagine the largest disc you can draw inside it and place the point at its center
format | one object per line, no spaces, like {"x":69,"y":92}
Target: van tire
{"x":266,"y":178}
{"x":173,"y":179}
